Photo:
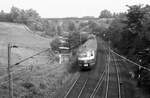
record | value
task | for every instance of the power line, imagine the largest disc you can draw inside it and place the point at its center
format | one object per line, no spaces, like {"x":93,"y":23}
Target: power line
{"x":21,"y":69}
{"x":22,"y":45}
{"x":23,"y":61}
{"x":131,"y":61}
{"x":29,"y":57}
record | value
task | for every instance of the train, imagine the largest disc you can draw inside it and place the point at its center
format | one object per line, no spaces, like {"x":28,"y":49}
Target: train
{"x":87,"y":53}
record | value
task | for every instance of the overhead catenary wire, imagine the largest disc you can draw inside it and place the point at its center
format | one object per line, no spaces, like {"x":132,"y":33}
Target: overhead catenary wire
{"x":29,"y":57}
{"x":22,"y":45}
{"x":20,"y":69}
{"x":130,"y":61}
{"x":6,"y":81}
{"x":1,"y":77}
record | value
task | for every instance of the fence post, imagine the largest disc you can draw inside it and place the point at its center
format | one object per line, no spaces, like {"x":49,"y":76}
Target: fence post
{"x":9,"y":74}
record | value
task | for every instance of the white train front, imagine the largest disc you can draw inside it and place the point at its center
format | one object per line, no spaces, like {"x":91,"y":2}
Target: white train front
{"x":87,"y":53}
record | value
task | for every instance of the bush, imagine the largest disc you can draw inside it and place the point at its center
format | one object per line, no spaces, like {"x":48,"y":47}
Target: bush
{"x":55,"y":44}
{"x":129,"y":36}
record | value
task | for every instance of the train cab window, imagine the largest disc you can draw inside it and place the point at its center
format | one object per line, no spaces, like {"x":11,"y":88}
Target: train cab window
{"x":91,"y":53}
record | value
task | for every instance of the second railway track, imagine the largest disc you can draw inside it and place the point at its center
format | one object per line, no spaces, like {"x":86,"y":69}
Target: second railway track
{"x":113,"y":79}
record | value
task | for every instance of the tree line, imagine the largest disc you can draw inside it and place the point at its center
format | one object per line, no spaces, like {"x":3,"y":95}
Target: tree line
{"x":32,"y":19}
{"x":129,"y":34}
{"x":48,"y":27}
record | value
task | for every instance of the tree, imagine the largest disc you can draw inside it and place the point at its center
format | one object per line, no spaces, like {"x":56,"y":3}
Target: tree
{"x":3,"y":16}
{"x":105,"y":14}
{"x":15,"y":14}
{"x":55,"y":44}
{"x":74,"y":39}
{"x":29,"y":17}
{"x":135,"y":19}
{"x":130,"y":37}
{"x":115,"y":31}
{"x":131,"y":30}
{"x":68,"y":26}
{"x":49,"y":28}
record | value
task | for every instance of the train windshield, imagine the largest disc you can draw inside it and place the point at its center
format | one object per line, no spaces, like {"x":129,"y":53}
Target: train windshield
{"x":81,"y":55}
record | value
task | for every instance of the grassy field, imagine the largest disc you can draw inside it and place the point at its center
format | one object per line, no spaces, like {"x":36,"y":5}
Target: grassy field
{"x":18,"y":35}
{"x":38,"y":77}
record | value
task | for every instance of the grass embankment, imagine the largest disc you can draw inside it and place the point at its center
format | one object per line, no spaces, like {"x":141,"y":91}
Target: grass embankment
{"x":38,"y":77}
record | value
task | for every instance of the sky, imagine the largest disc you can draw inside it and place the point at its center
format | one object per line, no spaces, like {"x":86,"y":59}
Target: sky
{"x":70,"y":8}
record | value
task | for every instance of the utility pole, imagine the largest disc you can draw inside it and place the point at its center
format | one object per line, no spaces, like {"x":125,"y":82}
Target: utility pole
{"x":9,"y":74}
{"x":109,"y":49}
{"x":80,"y":37}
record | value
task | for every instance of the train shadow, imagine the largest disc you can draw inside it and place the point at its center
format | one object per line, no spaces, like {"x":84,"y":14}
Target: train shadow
{"x":73,"y":67}
{"x":82,"y":70}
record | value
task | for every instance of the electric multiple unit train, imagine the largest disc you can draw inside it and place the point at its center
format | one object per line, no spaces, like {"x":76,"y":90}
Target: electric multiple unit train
{"x":87,"y":53}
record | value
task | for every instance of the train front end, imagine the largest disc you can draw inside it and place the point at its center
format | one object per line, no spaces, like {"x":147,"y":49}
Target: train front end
{"x":87,"y":59}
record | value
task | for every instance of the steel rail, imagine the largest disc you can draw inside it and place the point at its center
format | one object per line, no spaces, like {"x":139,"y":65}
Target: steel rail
{"x":130,"y":61}
{"x":125,"y":67}
{"x":101,"y":79}
{"x":118,"y":77}
{"x":82,"y":88}
{"x":108,"y":76}
{"x":72,"y":86}
{"x":98,"y":83}
{"x":107,"y":86}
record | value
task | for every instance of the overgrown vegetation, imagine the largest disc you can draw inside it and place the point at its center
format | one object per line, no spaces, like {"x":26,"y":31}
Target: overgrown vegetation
{"x":32,"y":19}
{"x":129,"y":33}
{"x":73,"y":40}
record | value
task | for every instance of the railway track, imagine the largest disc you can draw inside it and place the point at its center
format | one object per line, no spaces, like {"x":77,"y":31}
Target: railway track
{"x":113,"y":89}
{"x":88,"y":83}
{"x":92,"y":86}
{"x":101,"y":87}
{"x":117,"y":74}
{"x":101,"y":90}
{"x":109,"y":84}
{"x":105,"y":85}
{"x":85,"y":87}
{"x":126,"y":74}
{"x":77,"y":86}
